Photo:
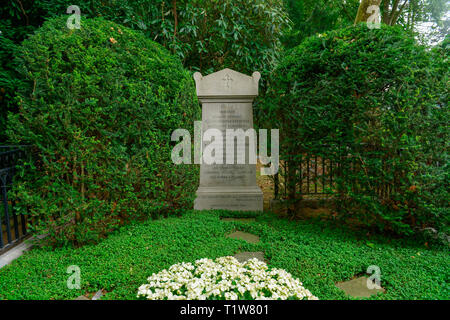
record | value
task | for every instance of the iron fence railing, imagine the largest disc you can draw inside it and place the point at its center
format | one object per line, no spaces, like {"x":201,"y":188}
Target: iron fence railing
{"x":13,"y":225}
{"x":317,"y":173}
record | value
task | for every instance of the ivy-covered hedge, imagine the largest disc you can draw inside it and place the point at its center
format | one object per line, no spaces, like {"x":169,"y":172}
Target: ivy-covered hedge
{"x":100,"y":105}
{"x":374,"y":102}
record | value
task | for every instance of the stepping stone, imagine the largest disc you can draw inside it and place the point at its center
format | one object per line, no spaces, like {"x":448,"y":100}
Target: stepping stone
{"x":357,"y":288}
{"x":98,"y":295}
{"x":239,"y":219}
{"x":244,"y":236}
{"x":13,"y":253}
{"x":244,"y":256}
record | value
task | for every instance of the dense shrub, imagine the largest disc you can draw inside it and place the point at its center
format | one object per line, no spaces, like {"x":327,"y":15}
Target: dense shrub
{"x":310,"y":17}
{"x":377,"y":101}
{"x":214,"y":34}
{"x":207,"y":35}
{"x":99,"y":105}
{"x":17,"y":20}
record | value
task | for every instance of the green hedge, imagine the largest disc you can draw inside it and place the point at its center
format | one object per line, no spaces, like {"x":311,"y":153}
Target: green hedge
{"x":207,"y":35}
{"x":377,"y":100}
{"x":100,"y":105}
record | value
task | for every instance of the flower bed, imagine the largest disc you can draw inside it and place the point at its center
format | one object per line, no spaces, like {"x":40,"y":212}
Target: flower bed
{"x":224,"y":278}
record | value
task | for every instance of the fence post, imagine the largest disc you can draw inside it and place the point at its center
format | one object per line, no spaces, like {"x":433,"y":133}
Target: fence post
{"x":276,"y":186}
{"x":5,"y":206}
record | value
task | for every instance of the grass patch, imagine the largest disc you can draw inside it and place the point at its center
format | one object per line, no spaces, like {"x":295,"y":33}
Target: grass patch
{"x":316,"y":253}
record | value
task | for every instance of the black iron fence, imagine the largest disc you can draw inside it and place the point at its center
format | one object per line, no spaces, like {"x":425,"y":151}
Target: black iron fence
{"x":315,"y":175}
{"x":12,"y":224}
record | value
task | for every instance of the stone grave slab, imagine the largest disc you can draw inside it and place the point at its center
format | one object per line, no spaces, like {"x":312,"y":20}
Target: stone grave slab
{"x":244,"y":236}
{"x":98,"y":295}
{"x":357,"y":288}
{"x":244,"y":256}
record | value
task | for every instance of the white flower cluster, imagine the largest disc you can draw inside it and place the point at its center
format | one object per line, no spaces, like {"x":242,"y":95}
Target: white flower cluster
{"x":224,"y":278}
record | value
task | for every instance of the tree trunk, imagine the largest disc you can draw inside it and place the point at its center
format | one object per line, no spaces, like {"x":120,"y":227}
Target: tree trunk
{"x":386,"y":13}
{"x":362,"y":14}
{"x":395,"y":14}
{"x":175,"y":16}
{"x":291,"y":186}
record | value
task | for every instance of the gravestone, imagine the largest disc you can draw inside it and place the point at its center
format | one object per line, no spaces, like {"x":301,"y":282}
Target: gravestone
{"x":245,"y":256}
{"x":358,"y":288}
{"x":244,"y":236}
{"x":226,"y":97}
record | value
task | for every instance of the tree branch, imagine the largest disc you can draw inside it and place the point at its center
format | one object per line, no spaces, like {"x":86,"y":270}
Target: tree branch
{"x":175,"y":15}
{"x":23,"y":11}
{"x":386,"y":13}
{"x":397,"y":14}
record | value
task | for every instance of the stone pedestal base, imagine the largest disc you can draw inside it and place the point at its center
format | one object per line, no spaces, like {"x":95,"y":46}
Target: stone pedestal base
{"x":229,"y":198}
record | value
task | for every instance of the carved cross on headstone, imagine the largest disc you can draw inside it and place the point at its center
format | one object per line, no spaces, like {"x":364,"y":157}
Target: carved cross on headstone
{"x":227,"y":80}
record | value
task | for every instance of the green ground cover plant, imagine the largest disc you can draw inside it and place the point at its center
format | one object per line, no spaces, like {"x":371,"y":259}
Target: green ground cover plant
{"x":317,"y":253}
{"x":99,"y":106}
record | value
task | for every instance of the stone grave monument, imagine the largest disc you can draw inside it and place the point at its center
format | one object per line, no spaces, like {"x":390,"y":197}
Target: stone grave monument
{"x":226,"y":97}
